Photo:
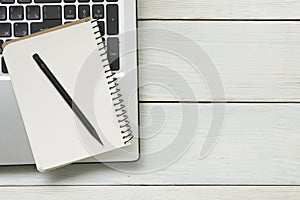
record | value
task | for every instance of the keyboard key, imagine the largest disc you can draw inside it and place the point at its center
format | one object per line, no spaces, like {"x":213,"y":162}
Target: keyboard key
{"x":3,"y":13}
{"x":52,"y":12}
{"x":24,"y":1}
{"x":70,"y":12}
{"x":47,"y":1}
{"x":16,"y":13}
{"x":101,"y":27}
{"x":33,"y":12}
{"x":20,"y":29}
{"x":98,"y":11}
{"x":39,"y":26}
{"x":112,"y":18}
{"x":4,"y":68}
{"x":111,"y":0}
{"x":113,"y":53}
{"x":98,"y":0}
{"x":70,"y":1}
{"x":83,"y":11}
{"x":5,"y":30}
{"x":7,"y":1}
{"x":84,"y":1}
{"x":1,"y":50}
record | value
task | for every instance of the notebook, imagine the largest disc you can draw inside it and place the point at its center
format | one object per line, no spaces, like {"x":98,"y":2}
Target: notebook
{"x":57,"y":134}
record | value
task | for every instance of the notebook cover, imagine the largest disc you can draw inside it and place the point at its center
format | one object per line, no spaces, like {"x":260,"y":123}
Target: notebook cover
{"x":56,"y":136}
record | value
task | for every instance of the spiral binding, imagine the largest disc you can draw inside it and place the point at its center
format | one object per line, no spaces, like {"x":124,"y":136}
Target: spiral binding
{"x":113,"y":86}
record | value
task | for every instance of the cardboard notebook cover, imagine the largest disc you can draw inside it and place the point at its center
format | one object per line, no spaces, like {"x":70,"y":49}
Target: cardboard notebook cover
{"x":76,"y":56}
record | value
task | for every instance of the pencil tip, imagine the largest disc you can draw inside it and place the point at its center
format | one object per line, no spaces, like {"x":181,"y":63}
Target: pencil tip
{"x":98,"y":139}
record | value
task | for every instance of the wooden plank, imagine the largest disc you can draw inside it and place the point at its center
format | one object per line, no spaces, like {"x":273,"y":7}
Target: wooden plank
{"x":150,"y":192}
{"x":219,"y":9}
{"x":259,"y":145}
{"x":257,"y":61}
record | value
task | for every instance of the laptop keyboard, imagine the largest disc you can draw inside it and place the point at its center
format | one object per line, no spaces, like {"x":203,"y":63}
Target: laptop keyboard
{"x":19,"y":18}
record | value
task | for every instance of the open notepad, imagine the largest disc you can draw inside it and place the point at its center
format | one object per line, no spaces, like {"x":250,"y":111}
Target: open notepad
{"x":76,"y":56}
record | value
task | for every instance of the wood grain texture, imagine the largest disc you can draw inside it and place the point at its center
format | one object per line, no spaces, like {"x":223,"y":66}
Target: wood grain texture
{"x":259,"y":145}
{"x":219,"y":9}
{"x":257,"y":61}
{"x":150,"y":192}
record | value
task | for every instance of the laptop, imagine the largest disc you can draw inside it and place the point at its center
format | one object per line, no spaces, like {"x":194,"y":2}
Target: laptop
{"x":115,"y":18}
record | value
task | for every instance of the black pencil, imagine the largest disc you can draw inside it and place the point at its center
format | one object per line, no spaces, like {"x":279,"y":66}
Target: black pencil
{"x":66,"y":97}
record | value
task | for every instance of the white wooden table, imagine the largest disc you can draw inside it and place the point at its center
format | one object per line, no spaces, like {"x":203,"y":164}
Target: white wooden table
{"x":255,"y":46}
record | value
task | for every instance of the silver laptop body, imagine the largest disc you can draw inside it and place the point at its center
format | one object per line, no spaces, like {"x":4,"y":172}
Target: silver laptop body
{"x":14,"y":145}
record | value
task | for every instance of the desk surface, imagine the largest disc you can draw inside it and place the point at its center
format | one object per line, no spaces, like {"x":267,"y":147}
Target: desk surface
{"x":255,"y":48}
